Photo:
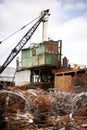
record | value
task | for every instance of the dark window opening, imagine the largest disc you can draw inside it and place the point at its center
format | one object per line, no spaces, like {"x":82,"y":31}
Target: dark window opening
{"x":33,"y":52}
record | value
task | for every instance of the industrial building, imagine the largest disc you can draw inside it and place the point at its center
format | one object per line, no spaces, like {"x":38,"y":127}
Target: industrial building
{"x":38,"y":62}
{"x":71,"y":80}
{"x":42,"y":66}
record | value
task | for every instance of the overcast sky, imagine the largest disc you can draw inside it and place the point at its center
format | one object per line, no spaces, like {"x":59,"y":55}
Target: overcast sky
{"x":68,"y":22}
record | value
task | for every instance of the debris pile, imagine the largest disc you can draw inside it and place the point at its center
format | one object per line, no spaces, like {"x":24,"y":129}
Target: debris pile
{"x":36,"y":109}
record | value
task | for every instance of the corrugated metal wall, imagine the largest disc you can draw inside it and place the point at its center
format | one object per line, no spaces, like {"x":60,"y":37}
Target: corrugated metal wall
{"x":64,"y":83}
{"x":22,"y":77}
{"x":71,"y":81}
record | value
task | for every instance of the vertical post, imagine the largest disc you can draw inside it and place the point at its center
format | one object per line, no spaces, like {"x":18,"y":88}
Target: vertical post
{"x":17,"y":63}
{"x":43,"y":31}
{"x":59,"y":52}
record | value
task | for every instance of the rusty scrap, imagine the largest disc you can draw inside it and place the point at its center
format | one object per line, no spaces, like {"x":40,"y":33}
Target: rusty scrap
{"x":36,"y":109}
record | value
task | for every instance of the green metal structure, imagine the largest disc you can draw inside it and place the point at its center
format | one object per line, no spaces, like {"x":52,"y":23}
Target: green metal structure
{"x":47,"y":53}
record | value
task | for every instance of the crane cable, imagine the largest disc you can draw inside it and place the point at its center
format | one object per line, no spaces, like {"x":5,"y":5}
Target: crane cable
{"x":18,"y":30}
{"x":15,"y":33}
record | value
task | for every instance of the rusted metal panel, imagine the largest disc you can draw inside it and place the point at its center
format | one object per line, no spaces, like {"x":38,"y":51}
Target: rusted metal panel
{"x":41,"y":59}
{"x":48,"y":48}
{"x":34,"y":52}
{"x":73,"y":80}
{"x":54,"y":48}
{"x":64,"y":83}
{"x":51,"y":48}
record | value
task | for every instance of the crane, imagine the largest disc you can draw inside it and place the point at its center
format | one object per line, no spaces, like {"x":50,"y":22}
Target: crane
{"x":24,"y":40}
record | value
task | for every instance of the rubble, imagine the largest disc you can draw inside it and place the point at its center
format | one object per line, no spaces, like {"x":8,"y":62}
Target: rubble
{"x":36,"y":109}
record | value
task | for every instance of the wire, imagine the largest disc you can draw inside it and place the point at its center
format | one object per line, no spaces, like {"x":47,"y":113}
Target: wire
{"x":18,"y":30}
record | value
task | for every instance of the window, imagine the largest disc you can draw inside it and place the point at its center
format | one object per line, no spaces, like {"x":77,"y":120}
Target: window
{"x":33,"y":52}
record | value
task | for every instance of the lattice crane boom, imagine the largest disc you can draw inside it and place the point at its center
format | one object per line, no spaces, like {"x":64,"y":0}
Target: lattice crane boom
{"x":24,"y":40}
